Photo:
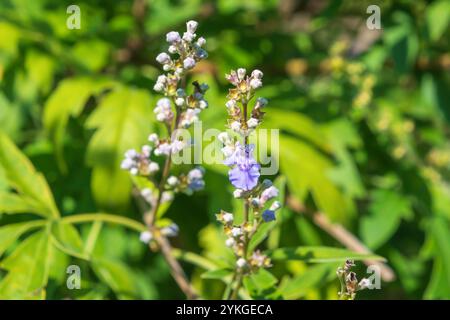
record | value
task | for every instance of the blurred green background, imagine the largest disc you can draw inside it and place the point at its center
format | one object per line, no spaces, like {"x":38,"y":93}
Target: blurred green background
{"x":364,"y":119}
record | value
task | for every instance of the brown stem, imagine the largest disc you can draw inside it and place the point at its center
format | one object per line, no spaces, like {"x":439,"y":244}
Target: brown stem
{"x":166,"y":249}
{"x":341,"y":234}
{"x":175,"y":268}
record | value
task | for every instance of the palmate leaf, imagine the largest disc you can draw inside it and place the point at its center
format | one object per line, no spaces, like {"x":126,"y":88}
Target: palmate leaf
{"x":31,"y":187}
{"x":28,"y":268}
{"x":306,"y":171}
{"x":10,"y":233}
{"x":122,"y":120}
{"x":68,"y":100}
{"x":387,"y":210}
{"x":312,"y":254}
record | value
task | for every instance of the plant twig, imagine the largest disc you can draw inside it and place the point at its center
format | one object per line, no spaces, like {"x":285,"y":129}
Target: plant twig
{"x":175,"y":268}
{"x":341,"y":234}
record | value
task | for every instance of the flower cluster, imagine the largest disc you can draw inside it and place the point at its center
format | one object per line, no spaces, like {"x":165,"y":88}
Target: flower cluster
{"x":169,"y":231}
{"x":189,"y":183}
{"x":183,"y":54}
{"x":243,"y":91}
{"x":176,"y":110}
{"x":349,"y":281}
{"x":139,"y":163}
{"x":244,"y":171}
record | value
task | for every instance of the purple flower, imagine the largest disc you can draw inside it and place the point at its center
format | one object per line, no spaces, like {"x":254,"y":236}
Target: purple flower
{"x":245,"y":173}
{"x":268,"y":215}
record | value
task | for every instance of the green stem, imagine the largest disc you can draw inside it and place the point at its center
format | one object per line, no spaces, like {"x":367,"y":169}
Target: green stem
{"x":108,"y":218}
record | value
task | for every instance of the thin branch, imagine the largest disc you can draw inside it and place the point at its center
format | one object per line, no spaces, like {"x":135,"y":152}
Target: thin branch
{"x":175,"y":268}
{"x":341,"y":234}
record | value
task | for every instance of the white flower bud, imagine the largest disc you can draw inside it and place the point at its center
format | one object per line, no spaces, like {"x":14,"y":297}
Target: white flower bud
{"x":145,"y":237}
{"x":188,"y":63}
{"x":201,"y":41}
{"x":188,"y":36}
{"x":162,"y":78}
{"x":173,"y":36}
{"x":163,"y":58}
{"x":127,"y":164}
{"x":236,"y":232}
{"x":238,"y":193}
{"x":134,"y":171}
{"x":235,"y":126}
{"x":172,"y":181}
{"x":166,"y":196}
{"x":146,"y":150}
{"x":170,"y":231}
{"x":191,"y":26}
{"x":241,"y":73}
{"x":255,"y":83}
{"x":179,"y":102}
{"x":275,"y":206}
{"x":172,"y":49}
{"x":230,"y":242}
{"x":166,"y":67}
{"x":241,"y":263}
{"x":228,"y":217}
{"x":230,"y":104}
{"x":153,"y":138}
{"x":223,"y":137}
{"x":252,"y":123}
{"x":161,"y":117}
{"x":364,"y":284}
{"x":158,"y":87}
{"x":153,"y":167}
{"x":257,"y":74}
{"x":203,"y":104}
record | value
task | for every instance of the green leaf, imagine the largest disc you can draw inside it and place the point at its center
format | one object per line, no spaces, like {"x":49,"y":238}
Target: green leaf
{"x":123,"y":121}
{"x":313,"y":278}
{"x":297,"y":124}
{"x":260,"y":283}
{"x":319,"y":254}
{"x":11,"y":203}
{"x":306,"y":171}
{"x":22,"y":176}
{"x":68,"y":240}
{"x":217,"y":274}
{"x":68,"y":100}
{"x":386,"y":212}
{"x":343,"y":135}
{"x":439,"y":286}
{"x":28,"y":269}
{"x":10,"y":233}
{"x":437,"y":17}
{"x":117,"y":276}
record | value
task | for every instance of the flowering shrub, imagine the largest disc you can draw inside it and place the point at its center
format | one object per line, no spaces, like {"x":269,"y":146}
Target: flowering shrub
{"x":335,"y":185}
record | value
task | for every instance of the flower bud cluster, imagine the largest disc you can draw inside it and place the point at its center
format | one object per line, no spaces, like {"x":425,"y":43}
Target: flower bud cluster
{"x":168,"y":231}
{"x":176,"y":110}
{"x":349,"y":281}
{"x":236,"y":240}
{"x":243,"y":91}
{"x":139,"y":163}
{"x":187,"y":183}
{"x":244,"y":171}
